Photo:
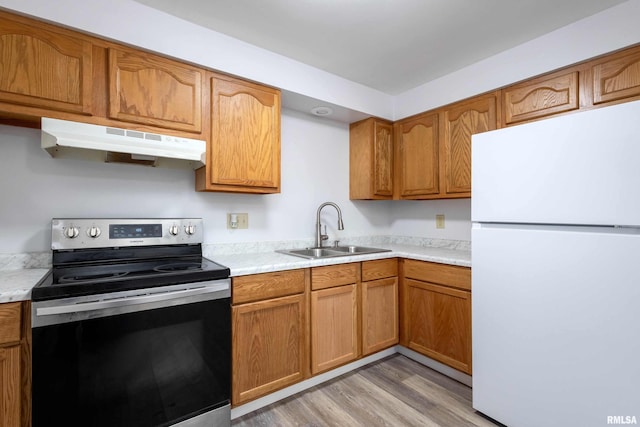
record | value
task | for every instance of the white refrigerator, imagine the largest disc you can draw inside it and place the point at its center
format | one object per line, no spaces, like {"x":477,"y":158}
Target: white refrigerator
{"x":556,"y":270}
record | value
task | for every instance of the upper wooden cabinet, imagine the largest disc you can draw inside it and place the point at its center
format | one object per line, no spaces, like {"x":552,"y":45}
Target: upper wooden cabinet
{"x":541,"y":97}
{"x":43,"y":67}
{"x":432,"y":151}
{"x":244,"y":149}
{"x":417,"y":154}
{"x":152,"y":90}
{"x":371,"y":159}
{"x":617,"y":77}
{"x":459,"y":122}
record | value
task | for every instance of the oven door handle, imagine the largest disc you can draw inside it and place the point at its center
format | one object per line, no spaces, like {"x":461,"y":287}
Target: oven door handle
{"x":133,"y":300}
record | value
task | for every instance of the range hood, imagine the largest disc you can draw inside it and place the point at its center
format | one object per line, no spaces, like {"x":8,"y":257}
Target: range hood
{"x":66,"y":139}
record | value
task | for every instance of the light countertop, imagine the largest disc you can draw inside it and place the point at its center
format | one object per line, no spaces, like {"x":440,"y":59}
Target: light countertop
{"x":16,"y":285}
{"x":264,"y":262}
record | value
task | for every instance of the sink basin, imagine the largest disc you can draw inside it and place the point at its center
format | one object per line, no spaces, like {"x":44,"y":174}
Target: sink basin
{"x":331,"y":251}
{"x":311,"y":252}
{"x":355,"y":250}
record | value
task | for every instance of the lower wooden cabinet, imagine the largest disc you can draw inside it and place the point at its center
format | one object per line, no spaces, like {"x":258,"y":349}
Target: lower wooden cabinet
{"x":354,"y":311}
{"x":334,"y":316}
{"x":379,"y":302}
{"x":10,"y":386}
{"x":269,"y":336}
{"x":436,"y":305}
{"x":334,"y":327}
{"x":15,"y":363}
{"x":379,"y":314}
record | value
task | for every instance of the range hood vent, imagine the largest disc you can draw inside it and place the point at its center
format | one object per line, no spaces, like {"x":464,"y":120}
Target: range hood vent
{"x":66,"y":139}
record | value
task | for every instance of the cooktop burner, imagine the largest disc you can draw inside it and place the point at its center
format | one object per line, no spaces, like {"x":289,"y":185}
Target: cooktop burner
{"x":91,"y":277}
{"x":178,"y":266}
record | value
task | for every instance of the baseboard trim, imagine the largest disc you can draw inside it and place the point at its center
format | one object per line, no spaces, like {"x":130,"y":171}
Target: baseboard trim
{"x":319,"y":379}
{"x":436,"y":366}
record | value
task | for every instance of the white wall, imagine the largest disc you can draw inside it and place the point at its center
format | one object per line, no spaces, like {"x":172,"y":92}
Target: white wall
{"x":133,"y":23}
{"x":601,"y":33}
{"x":315,"y":168}
{"x":139,"y":25}
{"x":418,"y":218}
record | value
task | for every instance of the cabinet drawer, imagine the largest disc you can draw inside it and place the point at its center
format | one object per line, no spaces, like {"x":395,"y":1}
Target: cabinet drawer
{"x":10,"y":314}
{"x":373,"y":270}
{"x":334,"y":275}
{"x":449,"y":275}
{"x":257,"y":287}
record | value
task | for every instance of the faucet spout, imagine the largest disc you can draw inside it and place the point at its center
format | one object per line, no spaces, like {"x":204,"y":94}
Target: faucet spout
{"x":319,"y":236}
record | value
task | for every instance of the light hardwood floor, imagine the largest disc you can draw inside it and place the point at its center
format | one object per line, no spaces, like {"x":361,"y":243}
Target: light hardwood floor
{"x":395,"y":391}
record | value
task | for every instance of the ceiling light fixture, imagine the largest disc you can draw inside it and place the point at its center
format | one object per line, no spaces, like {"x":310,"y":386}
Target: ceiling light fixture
{"x":322,"y":111}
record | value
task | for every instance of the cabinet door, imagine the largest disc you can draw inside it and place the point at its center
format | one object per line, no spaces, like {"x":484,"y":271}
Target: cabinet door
{"x":334,"y":327}
{"x":417,"y":151}
{"x":460,"y":121}
{"x":43,"y":68}
{"x":617,"y":77}
{"x":379,"y":314}
{"x":269,"y":346}
{"x":371,"y":159}
{"x":383,"y":159}
{"x":541,"y":97}
{"x":438,"y":320}
{"x":10,"y":386}
{"x":10,"y":322}
{"x":156,"y":91}
{"x":245,"y":137}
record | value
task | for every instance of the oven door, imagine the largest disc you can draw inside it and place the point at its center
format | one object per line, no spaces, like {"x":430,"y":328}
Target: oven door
{"x":133,"y":360}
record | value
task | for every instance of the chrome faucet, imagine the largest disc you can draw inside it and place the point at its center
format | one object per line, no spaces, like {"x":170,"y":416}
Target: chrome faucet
{"x":319,"y":236}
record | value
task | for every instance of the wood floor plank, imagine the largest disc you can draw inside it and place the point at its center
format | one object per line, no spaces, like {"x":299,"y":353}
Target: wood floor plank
{"x":374,"y":406}
{"x":395,"y":391}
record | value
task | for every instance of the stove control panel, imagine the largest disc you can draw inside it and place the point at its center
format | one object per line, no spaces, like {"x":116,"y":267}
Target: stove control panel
{"x":81,"y":233}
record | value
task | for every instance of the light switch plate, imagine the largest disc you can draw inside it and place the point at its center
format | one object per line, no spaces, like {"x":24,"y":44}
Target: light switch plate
{"x":440,"y":221}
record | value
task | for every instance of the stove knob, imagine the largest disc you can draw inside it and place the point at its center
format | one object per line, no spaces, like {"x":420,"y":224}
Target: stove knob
{"x":174,"y":230}
{"x":190,"y":229}
{"x":93,"y":232}
{"x":71,"y":232}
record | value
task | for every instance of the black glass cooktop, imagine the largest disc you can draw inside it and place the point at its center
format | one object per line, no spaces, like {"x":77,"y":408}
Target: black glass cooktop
{"x":88,"y":278}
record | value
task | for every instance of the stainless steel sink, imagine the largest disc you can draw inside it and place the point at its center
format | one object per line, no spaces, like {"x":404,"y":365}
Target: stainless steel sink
{"x":331,"y":251}
{"x":355,"y":250}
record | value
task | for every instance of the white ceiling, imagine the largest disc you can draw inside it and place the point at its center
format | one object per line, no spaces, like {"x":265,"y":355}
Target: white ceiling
{"x":389,"y":45}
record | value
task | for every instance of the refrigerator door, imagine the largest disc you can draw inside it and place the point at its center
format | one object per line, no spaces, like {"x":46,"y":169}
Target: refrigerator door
{"x":580,"y":168}
{"x":555,"y":324}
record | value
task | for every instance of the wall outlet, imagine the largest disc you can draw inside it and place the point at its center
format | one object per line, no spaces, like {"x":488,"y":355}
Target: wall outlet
{"x":237,"y":221}
{"x":440,"y":221}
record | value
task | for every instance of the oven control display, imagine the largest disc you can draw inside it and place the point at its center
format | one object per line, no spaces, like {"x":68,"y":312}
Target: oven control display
{"x":128,"y":231}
